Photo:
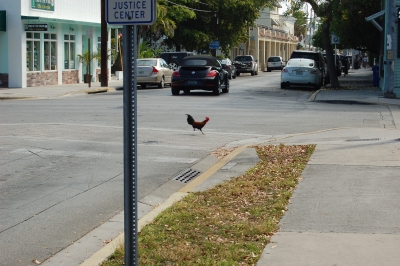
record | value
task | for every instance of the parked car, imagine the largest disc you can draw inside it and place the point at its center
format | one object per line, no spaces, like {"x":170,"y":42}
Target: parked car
{"x":247,"y":64}
{"x":301,"y":72}
{"x":275,"y":63}
{"x":174,"y":59}
{"x":153,"y":71}
{"x":229,"y":67}
{"x":319,"y":60}
{"x":200,"y":73}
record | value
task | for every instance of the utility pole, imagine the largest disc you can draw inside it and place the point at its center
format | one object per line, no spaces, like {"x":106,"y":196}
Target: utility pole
{"x":214,"y":51}
{"x":390,"y":25}
{"x":104,"y":52}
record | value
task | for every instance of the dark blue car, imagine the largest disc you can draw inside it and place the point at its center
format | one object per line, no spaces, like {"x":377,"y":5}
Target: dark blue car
{"x":200,"y":73}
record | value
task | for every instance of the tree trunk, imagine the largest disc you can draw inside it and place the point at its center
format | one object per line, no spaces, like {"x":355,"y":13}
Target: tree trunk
{"x":326,"y":35}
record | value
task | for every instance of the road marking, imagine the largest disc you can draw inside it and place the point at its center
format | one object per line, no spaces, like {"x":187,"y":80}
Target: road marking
{"x":159,"y":159}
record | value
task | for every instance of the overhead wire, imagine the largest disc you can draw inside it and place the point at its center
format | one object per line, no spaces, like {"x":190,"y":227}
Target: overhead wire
{"x":194,"y":9}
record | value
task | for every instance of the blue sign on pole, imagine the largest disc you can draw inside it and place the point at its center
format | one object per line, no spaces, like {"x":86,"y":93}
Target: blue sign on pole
{"x":214,"y":45}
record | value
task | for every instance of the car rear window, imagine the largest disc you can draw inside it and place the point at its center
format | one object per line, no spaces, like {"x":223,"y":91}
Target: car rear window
{"x":197,"y":62}
{"x":300,"y":63}
{"x":274,"y":59}
{"x":304,"y":55}
{"x":147,"y":62}
{"x":243,"y":58}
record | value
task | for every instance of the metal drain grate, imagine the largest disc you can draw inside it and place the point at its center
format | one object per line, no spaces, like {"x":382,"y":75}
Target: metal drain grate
{"x":186,"y":175}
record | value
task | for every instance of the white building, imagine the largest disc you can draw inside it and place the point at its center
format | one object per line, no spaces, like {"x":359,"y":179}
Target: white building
{"x":41,"y":39}
{"x":273,"y":35}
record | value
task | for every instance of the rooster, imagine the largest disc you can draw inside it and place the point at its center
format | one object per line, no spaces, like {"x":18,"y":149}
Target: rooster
{"x":196,"y":124}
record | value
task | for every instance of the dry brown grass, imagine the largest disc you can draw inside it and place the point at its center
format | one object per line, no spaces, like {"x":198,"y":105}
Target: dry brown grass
{"x":229,"y":224}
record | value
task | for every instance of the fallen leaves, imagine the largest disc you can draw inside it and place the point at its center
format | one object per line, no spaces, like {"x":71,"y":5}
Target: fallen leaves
{"x":222,"y":152}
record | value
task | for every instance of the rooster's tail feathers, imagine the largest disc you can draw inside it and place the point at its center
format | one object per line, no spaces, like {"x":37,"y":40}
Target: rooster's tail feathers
{"x":190,"y":119}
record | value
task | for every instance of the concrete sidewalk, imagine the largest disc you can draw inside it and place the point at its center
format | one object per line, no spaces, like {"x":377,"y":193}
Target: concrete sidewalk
{"x":56,"y":91}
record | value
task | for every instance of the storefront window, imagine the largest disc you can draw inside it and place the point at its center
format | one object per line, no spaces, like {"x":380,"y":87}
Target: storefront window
{"x":69,"y":51}
{"x":32,"y":51}
{"x":50,"y":51}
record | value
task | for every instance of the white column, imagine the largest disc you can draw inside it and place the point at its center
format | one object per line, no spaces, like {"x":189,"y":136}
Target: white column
{"x":78,"y":50}
{"x":16,"y":47}
{"x":60,"y":55}
{"x":263,"y":68}
{"x":109,"y":49}
{"x":256,"y":46}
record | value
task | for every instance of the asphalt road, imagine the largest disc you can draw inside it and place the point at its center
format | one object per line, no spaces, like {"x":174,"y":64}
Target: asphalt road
{"x":61,"y":170}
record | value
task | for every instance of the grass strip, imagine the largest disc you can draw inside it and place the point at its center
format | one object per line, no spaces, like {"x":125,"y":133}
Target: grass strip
{"x":229,"y":224}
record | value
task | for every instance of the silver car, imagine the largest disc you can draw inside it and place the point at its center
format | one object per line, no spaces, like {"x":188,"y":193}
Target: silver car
{"x":301,"y":72}
{"x":153,"y":71}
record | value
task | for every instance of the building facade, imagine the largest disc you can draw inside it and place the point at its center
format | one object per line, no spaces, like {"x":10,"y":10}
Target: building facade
{"x":40,"y":41}
{"x":272,"y":35}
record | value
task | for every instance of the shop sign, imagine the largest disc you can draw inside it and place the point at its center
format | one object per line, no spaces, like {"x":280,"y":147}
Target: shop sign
{"x":36,"y":27}
{"x":43,"y":4}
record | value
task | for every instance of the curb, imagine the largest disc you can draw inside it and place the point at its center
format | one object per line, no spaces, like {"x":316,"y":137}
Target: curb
{"x":101,"y":255}
{"x":313,"y":96}
{"x":93,"y":91}
{"x":17,"y":98}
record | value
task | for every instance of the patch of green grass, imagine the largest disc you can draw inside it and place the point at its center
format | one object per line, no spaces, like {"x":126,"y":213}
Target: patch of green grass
{"x":229,"y":224}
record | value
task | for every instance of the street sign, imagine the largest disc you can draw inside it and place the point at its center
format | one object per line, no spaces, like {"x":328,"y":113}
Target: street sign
{"x":141,"y":12}
{"x":335,"y":39}
{"x":89,"y":33}
{"x":214,"y":45}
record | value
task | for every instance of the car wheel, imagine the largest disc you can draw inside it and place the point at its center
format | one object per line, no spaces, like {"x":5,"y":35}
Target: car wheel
{"x":162,"y":83}
{"x":238,"y":74}
{"x":143,"y":86}
{"x":175,"y":91}
{"x":186,"y":91}
{"x":283,"y":85}
{"x":268,"y":69}
{"x":217,"y":90}
{"x":234,"y":76}
{"x":317,"y":86}
{"x":252,"y":73}
{"x":226,"y":89}
{"x":174,"y":65}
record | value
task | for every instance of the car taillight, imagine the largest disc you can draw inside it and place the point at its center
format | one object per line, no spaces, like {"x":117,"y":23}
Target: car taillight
{"x":154,"y":71}
{"x":284,"y":70}
{"x":314,"y":71}
{"x":176,"y":74}
{"x":212,"y":74}
{"x":251,"y":64}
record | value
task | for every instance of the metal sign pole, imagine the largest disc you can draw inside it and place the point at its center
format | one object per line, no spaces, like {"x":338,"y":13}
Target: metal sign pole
{"x":130,"y":145}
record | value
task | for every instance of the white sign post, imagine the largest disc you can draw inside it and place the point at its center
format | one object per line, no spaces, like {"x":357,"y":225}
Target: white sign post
{"x":130,"y":14}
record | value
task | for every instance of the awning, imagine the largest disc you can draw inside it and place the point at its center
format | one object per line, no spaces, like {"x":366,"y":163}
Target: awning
{"x":275,"y":22}
{"x":373,"y":17}
{"x":55,"y":20}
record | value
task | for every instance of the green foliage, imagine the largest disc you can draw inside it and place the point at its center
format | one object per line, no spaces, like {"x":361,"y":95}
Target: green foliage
{"x":87,"y":58}
{"x":145,"y":51}
{"x":352,"y":28}
{"x":227,"y":21}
